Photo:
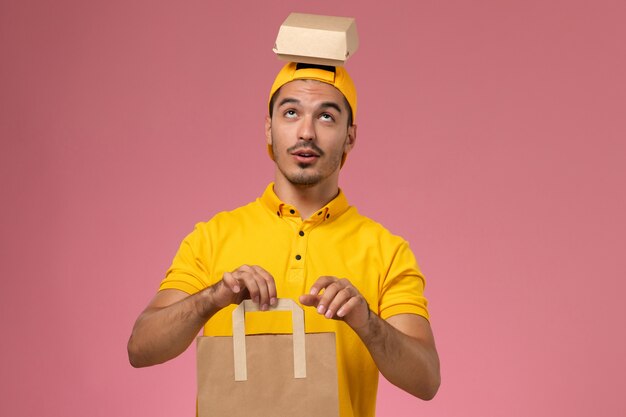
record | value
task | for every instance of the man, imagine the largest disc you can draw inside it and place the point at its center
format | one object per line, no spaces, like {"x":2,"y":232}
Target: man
{"x":301,"y":240}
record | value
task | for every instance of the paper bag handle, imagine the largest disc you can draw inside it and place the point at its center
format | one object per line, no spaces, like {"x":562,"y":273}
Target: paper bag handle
{"x":239,"y":336}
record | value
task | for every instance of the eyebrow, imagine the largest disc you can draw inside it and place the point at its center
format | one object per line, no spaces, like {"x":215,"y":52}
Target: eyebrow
{"x":325,"y":104}
{"x":331,"y":104}
{"x":288,"y":100}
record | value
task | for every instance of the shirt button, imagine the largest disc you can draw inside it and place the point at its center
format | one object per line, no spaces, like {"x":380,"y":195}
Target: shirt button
{"x":301,"y":233}
{"x":298,"y":257}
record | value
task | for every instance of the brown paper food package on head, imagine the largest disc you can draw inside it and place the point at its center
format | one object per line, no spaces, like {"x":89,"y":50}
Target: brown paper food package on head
{"x":317,"y":39}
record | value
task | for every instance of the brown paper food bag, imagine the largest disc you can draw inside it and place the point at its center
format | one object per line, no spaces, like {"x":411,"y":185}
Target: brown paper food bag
{"x":269,"y":375}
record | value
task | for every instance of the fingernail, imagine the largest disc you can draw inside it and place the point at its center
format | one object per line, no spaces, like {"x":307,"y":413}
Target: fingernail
{"x":265,"y":307}
{"x":329,"y":314}
{"x":313,"y":291}
{"x":273,"y":301}
{"x":340,"y":312}
{"x":236,"y":288}
{"x":320,"y":309}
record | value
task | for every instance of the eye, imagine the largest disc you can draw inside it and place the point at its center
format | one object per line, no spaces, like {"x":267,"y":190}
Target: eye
{"x":327,"y":117}
{"x":290,"y":114}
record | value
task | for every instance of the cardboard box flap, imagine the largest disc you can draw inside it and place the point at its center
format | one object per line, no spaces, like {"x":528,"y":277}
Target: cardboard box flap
{"x":317,"y":39}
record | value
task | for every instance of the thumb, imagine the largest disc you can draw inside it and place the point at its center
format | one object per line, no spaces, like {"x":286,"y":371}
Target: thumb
{"x":309,"y":300}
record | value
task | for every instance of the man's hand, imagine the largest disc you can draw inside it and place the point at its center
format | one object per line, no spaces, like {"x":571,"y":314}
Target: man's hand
{"x":173,"y":318}
{"x":340,"y":300}
{"x":245,"y":282}
{"x":402,"y":347}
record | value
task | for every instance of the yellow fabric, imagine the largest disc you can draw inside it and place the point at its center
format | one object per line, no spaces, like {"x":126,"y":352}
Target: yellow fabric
{"x":335,"y":241}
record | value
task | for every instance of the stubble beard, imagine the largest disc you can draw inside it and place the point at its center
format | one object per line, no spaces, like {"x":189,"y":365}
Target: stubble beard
{"x":303,"y":177}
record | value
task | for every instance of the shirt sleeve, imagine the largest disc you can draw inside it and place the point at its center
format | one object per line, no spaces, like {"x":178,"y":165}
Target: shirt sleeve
{"x":189,"y":271}
{"x":403,"y":286}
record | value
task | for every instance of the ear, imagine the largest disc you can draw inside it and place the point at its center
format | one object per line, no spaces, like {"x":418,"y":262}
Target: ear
{"x":268,"y":130}
{"x":351,"y":139}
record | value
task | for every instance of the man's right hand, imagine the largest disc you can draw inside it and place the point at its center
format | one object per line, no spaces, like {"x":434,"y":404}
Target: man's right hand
{"x":173,"y":318}
{"x":247,"y":281}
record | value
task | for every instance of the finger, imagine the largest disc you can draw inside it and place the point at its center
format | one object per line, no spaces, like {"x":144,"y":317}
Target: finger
{"x":341,"y":298}
{"x":246,"y":278}
{"x":257,"y":286}
{"x":330,"y":292}
{"x":355,"y":312}
{"x":231,"y":282}
{"x":262,"y":297}
{"x":350,"y":305}
{"x":269,"y":284}
{"x":321,"y":283}
{"x":309,"y":300}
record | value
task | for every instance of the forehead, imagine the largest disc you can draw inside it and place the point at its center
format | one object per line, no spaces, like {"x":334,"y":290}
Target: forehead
{"x":310,"y":91}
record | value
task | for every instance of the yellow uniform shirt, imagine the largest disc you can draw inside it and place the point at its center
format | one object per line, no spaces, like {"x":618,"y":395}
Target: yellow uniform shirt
{"x":335,"y":241}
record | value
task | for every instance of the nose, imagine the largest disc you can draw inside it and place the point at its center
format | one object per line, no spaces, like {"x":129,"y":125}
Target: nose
{"x":306,"y":130}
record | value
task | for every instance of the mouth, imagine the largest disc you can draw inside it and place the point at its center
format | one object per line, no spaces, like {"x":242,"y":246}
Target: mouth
{"x":305,"y":155}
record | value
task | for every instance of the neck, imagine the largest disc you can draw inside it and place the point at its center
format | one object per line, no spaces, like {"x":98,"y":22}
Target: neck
{"x":307,"y":199}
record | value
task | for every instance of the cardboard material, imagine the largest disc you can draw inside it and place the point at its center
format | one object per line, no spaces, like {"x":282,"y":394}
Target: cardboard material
{"x":278,"y":380}
{"x":239,"y":337}
{"x":317,"y":39}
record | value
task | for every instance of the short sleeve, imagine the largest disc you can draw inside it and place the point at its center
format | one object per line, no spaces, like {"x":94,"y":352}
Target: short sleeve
{"x":402,"y":288}
{"x":189,"y":271}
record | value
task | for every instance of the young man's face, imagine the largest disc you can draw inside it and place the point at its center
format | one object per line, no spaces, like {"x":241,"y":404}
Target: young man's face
{"x":309,"y":132}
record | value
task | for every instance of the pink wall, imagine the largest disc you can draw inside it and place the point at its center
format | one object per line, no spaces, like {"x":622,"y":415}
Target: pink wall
{"x":491,"y":135}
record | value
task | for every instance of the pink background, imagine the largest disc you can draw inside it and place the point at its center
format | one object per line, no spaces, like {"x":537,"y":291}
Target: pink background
{"x":491,"y":136}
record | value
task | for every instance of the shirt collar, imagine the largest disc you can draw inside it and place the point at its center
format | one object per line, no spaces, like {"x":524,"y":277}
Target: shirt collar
{"x":333,"y":209}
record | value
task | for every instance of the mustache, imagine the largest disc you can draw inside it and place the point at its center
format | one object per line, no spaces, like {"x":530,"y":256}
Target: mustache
{"x":305,"y":146}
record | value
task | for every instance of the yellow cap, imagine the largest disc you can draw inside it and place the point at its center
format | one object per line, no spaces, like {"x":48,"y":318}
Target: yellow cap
{"x":336,"y":76}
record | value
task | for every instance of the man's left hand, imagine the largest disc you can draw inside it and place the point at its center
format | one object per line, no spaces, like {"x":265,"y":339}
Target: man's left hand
{"x":340,"y":300}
